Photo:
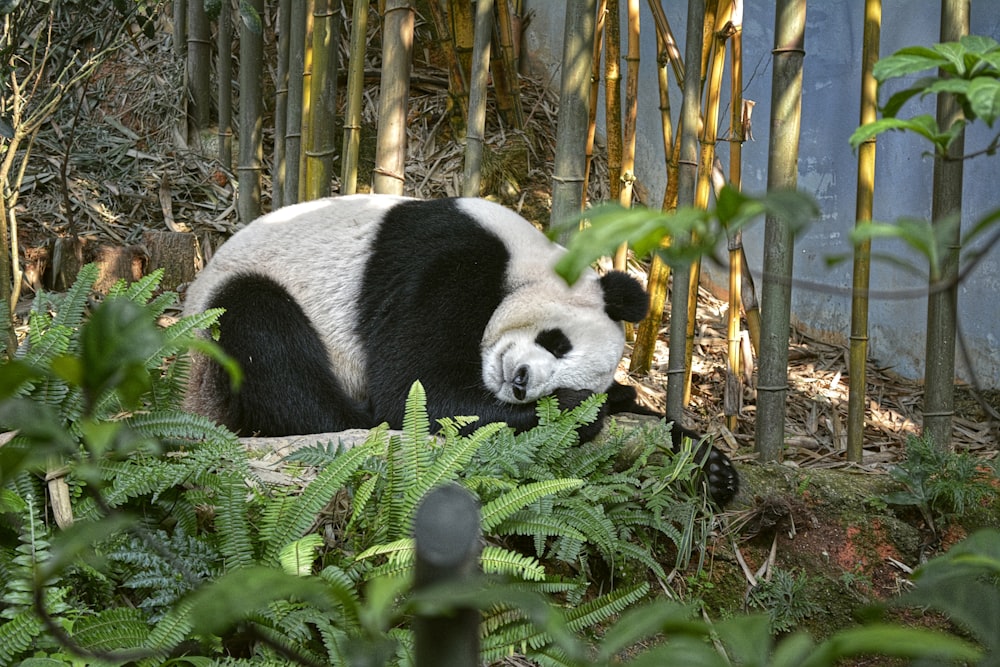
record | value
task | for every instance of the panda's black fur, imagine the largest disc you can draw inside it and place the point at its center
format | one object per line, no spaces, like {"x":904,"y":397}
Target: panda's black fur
{"x":334,"y":308}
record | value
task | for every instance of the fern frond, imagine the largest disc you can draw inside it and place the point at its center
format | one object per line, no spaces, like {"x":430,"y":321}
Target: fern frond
{"x":527,"y":522}
{"x":301,"y":512}
{"x":601,"y":609}
{"x":232,"y":522}
{"x":170,"y":631}
{"x":179,"y":427}
{"x":496,"y":560}
{"x":362,"y":495}
{"x":112,"y":629}
{"x":452,"y":457}
{"x":139,"y":291}
{"x":70,"y":313}
{"x":503,"y":507}
{"x":17,"y":634}
{"x":394,"y":548}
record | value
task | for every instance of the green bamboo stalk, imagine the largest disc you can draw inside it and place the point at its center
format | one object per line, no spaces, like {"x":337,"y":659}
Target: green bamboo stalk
{"x":355,"y":96}
{"x":199,"y":64}
{"x":394,"y":94}
{"x":307,"y":102}
{"x":574,"y":98}
{"x":224,"y":67}
{"x":280,"y":105}
{"x":251,"y":114}
{"x":476,"y":128}
{"x":293,"y":120}
{"x":782,"y":174}
{"x":942,"y":299}
{"x":322,"y":144}
{"x":687,"y":175}
{"x":858,"y":354}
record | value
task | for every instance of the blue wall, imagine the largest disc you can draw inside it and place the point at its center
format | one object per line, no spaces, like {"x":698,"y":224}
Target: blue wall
{"x":828,"y":167}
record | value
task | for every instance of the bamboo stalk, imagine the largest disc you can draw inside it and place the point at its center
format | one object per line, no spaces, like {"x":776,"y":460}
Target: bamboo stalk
{"x":355,"y":95}
{"x":307,"y":103}
{"x":862,"y":253}
{"x":251,"y":116}
{"x":687,"y":174}
{"x":595,"y":87}
{"x":476,"y":128}
{"x":648,"y":330}
{"x":280,"y":106}
{"x":224,"y":84}
{"x":458,"y":91}
{"x":508,"y":86}
{"x":574,"y":98}
{"x":714,"y":51}
{"x":293,"y":119}
{"x":782,"y":174}
{"x":733,"y":391}
{"x":319,"y":155}
{"x":394,"y":94}
{"x":612,"y":96}
{"x":199,"y":59}
{"x":627,"y":174}
{"x":942,"y":300}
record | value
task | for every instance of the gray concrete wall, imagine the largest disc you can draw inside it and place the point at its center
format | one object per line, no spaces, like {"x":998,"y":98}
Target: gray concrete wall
{"x":828,"y":167}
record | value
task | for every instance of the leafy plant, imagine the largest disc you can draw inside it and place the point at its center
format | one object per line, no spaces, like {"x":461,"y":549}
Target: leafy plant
{"x":940,"y":483}
{"x":784,"y":598}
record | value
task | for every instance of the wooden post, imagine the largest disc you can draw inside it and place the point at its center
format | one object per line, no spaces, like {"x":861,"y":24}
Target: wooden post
{"x":448,"y":543}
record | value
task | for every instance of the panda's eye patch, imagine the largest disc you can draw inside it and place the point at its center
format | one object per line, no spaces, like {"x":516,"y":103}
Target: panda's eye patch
{"x":555,"y":341}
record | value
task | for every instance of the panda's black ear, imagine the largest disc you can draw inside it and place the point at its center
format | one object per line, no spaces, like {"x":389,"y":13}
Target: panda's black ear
{"x":624,"y":298}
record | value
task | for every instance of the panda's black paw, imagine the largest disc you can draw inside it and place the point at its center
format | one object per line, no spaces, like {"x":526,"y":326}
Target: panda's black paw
{"x":720,"y":475}
{"x":721,"y":478}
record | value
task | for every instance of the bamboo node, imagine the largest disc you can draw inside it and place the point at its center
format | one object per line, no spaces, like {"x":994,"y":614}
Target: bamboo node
{"x":774,"y":388}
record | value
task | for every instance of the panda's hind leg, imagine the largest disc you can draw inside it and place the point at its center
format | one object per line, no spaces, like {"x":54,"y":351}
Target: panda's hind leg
{"x":288,"y":386}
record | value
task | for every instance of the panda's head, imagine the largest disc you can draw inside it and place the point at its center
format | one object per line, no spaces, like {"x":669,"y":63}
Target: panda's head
{"x":547,"y":336}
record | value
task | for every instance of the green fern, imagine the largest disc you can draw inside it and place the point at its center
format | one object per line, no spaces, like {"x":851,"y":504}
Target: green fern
{"x":110,"y":630}
{"x":496,"y":511}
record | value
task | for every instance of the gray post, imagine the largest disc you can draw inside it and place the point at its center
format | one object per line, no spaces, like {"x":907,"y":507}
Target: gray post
{"x":448,"y":543}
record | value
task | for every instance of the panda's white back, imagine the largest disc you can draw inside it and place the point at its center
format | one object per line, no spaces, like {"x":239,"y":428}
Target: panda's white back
{"x":316,"y":250}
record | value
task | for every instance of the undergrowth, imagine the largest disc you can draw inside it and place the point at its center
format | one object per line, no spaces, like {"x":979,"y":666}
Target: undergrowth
{"x":132,"y":532}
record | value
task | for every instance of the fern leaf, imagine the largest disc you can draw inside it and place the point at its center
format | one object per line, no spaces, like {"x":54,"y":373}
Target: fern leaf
{"x":112,"y":629}
{"x":139,"y":291}
{"x":301,"y":512}
{"x":503,"y":507}
{"x":74,"y":304}
{"x":496,"y":560}
{"x":406,"y":544}
{"x":232,"y":522}
{"x":170,"y":631}
{"x":601,"y":609}
{"x":360,"y":501}
{"x":177,"y":425}
{"x":526,"y":522}
{"x":17,"y":634}
{"x":297,"y":557}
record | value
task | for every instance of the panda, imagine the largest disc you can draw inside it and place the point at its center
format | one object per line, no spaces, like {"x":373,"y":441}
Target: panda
{"x":334,"y":307}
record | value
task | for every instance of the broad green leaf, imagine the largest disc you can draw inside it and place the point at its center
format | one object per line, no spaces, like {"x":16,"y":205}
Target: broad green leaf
{"x":907,"y":61}
{"x":984,"y":98}
{"x":891,"y":640}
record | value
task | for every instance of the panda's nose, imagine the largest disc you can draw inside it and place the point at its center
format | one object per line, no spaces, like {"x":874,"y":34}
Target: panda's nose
{"x":520,"y":383}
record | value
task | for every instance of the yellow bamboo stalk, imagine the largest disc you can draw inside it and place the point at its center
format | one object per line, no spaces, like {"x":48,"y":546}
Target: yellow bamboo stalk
{"x":595,"y":88}
{"x":716,"y":45}
{"x":627,"y":173}
{"x":648,"y":330}
{"x":508,"y":87}
{"x":307,"y":96}
{"x":612,"y":96}
{"x":732,"y":399}
{"x":862,"y":253}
